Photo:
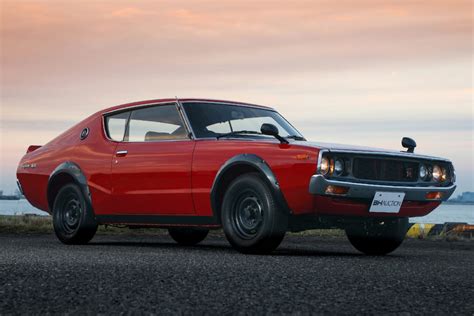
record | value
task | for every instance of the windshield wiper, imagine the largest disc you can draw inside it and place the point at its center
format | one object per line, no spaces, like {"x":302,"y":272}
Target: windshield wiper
{"x":237,"y":133}
{"x":296,"y":137}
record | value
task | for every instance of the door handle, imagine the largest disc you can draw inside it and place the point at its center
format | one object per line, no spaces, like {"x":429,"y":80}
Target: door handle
{"x":121,"y":153}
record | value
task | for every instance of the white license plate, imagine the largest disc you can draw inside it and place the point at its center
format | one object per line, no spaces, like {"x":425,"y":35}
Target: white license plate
{"x":387,"y":202}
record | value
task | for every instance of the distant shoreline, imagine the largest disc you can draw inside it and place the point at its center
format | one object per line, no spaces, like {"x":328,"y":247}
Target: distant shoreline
{"x":458,"y":203}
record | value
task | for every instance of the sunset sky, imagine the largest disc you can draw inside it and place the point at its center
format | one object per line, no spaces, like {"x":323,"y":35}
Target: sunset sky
{"x":357,"y":72}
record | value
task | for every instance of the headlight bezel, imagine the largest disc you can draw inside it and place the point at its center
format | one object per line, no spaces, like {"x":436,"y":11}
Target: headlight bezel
{"x":324,"y":166}
{"x":327,"y":166}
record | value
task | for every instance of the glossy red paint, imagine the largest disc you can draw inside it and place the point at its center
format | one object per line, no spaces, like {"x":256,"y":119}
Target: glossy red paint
{"x":175,"y":177}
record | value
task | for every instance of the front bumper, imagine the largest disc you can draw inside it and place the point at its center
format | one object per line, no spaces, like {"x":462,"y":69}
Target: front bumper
{"x":319,"y":184}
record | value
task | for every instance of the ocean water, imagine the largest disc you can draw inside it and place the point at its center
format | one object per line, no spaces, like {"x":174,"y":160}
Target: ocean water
{"x":461,"y":213}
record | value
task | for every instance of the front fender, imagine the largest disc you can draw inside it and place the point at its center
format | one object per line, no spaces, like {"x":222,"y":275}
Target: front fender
{"x":256,"y":163}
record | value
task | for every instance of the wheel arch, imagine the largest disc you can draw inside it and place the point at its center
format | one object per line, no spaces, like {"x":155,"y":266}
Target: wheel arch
{"x":67,"y":172}
{"x":237,"y":166}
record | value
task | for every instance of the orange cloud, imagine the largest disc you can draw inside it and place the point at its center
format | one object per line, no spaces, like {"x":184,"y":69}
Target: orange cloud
{"x":130,"y":12}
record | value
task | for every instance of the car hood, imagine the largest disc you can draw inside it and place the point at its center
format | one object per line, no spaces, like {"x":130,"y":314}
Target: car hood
{"x":363,"y":149}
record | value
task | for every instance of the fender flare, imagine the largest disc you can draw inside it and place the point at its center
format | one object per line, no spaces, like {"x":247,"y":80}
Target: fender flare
{"x":262,"y":167}
{"x":73,"y":170}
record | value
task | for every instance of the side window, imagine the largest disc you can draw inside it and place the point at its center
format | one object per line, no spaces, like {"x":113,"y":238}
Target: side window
{"x":115,"y":125}
{"x":156,"y":123}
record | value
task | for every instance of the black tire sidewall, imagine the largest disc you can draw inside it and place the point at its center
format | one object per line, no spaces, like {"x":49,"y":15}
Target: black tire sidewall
{"x":188,"y":236}
{"x":87,"y":225}
{"x":375,"y":239}
{"x":274,"y":221}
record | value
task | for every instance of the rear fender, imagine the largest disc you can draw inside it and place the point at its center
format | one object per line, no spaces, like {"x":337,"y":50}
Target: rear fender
{"x":67,"y":172}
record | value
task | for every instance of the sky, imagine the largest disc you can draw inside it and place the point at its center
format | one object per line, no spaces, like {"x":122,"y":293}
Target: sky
{"x":356,"y":72}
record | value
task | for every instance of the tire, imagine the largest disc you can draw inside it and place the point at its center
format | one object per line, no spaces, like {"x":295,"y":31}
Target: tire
{"x":73,"y":220}
{"x":251,"y":218}
{"x":188,"y":236}
{"x":378,"y":237}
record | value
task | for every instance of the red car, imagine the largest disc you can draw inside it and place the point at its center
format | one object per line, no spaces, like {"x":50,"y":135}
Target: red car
{"x":192,"y":165}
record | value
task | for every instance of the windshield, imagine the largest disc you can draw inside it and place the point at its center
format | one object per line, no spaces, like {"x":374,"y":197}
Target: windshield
{"x":215,"y":119}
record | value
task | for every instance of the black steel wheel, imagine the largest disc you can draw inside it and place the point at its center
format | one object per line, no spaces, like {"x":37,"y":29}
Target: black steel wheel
{"x":378,"y":236}
{"x":251,"y":218}
{"x":73,"y":220}
{"x":188,"y":236}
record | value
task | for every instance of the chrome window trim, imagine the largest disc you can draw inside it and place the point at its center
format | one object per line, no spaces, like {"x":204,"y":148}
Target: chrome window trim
{"x":256,"y":106}
{"x":133,"y":108}
{"x":184,"y":117}
{"x":128,"y":108}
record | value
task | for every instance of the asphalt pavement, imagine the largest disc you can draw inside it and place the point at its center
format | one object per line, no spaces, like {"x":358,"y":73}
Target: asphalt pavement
{"x":306,"y":275}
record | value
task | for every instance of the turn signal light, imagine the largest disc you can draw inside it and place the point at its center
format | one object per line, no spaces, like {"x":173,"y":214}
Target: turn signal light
{"x":334,"y":189}
{"x":434,"y":195}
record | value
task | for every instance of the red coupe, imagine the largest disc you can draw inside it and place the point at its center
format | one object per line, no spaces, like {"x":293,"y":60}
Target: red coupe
{"x":191,"y":165}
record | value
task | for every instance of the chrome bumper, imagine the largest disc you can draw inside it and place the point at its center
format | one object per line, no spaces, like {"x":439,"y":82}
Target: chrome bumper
{"x":319,"y":184}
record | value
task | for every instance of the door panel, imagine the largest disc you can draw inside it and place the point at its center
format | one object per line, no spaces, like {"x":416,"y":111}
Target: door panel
{"x":153,"y":178}
{"x":151,"y":168}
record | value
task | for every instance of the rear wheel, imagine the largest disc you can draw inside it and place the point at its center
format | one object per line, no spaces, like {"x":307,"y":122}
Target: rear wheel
{"x":251,"y":219}
{"x":188,"y":236}
{"x":73,"y":220}
{"x":378,"y":237}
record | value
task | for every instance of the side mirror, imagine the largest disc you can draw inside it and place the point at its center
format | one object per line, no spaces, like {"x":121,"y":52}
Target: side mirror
{"x":272,"y":130}
{"x":408,"y":143}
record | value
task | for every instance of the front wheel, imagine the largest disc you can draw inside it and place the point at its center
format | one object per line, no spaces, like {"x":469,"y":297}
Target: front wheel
{"x":251,"y":218}
{"x":73,"y":220}
{"x":378,"y":237}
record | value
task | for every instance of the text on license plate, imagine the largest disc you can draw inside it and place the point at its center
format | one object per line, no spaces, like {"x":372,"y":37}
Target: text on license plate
{"x":387,"y":202}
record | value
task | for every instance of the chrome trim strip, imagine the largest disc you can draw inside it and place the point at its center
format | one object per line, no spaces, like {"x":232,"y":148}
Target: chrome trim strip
{"x":320,"y":157}
{"x":319,"y":183}
{"x":184,"y":117}
{"x":125,"y":109}
{"x":261,"y":107}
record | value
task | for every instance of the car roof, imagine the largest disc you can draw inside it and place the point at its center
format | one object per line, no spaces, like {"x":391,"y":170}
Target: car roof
{"x":182,"y":100}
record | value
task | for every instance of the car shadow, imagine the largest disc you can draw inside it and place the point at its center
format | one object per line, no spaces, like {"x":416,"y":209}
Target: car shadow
{"x":282,"y":251}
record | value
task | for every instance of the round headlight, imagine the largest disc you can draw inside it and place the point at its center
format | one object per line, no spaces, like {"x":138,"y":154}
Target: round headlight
{"x":324,"y":166}
{"x":423,"y":172}
{"x":339,"y":166}
{"x":444,"y":174}
{"x":437,"y":173}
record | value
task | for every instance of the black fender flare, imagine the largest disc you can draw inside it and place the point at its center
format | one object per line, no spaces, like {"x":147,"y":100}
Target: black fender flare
{"x":74,"y":171}
{"x":261,"y":166}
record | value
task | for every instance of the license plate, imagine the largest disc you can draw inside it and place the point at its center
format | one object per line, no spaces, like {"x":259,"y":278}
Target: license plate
{"x":387,"y":202}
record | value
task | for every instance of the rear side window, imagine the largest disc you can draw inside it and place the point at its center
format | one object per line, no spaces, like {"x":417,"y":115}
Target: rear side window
{"x":115,"y":125}
{"x":156,"y":123}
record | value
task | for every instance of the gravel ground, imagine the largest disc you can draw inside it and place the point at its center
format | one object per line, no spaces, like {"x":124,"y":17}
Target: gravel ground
{"x":147,"y":274}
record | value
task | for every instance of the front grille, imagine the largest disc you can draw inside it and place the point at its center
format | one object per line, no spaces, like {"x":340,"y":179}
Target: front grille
{"x":385,"y":169}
